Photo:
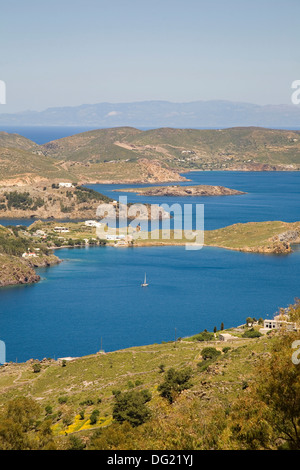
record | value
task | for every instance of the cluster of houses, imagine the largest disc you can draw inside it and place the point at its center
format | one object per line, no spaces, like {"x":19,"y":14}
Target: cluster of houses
{"x":282,"y":320}
{"x":121,"y":239}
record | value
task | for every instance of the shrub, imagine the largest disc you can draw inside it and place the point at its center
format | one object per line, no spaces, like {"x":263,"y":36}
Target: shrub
{"x":175,"y":382}
{"x":48,"y":410}
{"x":252,"y":333}
{"x":203,"y":365}
{"x":131,"y":407}
{"x":87,"y":402}
{"x":75,"y":443}
{"x":36,"y":368}
{"x":210,"y":353}
{"x":62,"y":400}
{"x":94,"y":417}
{"x":204,"y":336}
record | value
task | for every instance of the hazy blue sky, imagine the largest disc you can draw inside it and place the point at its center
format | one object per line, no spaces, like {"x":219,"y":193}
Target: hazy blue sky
{"x":66,"y":53}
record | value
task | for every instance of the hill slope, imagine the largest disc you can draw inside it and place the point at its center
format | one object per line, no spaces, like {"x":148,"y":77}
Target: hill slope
{"x":76,"y":399}
{"x":242,"y":148}
{"x":128,"y":155}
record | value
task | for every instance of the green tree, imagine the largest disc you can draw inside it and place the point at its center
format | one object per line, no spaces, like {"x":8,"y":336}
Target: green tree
{"x":268,"y":416}
{"x":131,"y":407}
{"x":20,"y":428}
{"x":94,"y":417}
{"x":48,"y":410}
{"x":36,"y":368}
{"x":210,"y":353}
{"x":252,"y":333}
{"x":175,"y":381}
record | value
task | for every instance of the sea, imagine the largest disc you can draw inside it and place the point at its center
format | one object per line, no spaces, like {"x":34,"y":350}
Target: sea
{"x":95,"y":297}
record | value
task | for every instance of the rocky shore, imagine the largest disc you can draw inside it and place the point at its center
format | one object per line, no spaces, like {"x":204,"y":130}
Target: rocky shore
{"x":176,"y":190}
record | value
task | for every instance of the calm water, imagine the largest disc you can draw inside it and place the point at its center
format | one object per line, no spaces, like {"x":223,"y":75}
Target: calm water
{"x":270,"y":196}
{"x":95,"y":293}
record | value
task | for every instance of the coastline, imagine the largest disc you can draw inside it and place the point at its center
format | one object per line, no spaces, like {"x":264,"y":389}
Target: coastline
{"x":278,"y":239}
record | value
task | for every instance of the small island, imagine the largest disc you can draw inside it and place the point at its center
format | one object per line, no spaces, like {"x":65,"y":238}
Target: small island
{"x":178,"y":190}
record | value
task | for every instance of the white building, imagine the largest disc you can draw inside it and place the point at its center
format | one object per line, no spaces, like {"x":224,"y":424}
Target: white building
{"x":280,"y":321}
{"x":65,"y":185}
{"x":39,"y":233}
{"x":92,"y":223}
{"x":61,"y":229}
{"x":227,"y":337}
{"x":115,"y":237}
{"x":29,"y":255}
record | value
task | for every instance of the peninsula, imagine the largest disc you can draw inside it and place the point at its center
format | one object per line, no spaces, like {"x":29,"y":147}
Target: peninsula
{"x":20,"y":254}
{"x":59,"y":201}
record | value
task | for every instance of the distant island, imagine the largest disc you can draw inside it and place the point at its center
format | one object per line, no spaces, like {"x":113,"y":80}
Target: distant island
{"x":158,"y":113}
{"x":176,"y":190}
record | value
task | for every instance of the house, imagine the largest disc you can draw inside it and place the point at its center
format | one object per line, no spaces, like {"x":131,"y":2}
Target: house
{"x":40,"y":233}
{"x":92,"y":223}
{"x":65,"y":185}
{"x":61,"y":229}
{"x":115,"y":237}
{"x":280,"y":321}
{"x":226,"y":337}
{"x":29,"y":255}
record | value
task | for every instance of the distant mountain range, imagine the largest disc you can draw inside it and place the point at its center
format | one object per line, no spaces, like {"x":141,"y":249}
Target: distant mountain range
{"x":153,"y":114}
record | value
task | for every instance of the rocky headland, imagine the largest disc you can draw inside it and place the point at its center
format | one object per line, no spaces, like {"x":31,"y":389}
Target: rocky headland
{"x":177,"y":190}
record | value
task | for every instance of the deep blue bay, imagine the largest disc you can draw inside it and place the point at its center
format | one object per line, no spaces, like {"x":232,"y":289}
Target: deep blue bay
{"x":95,"y":292}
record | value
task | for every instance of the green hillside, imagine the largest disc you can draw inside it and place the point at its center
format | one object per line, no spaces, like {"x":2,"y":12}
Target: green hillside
{"x":183,"y":148}
{"x":197,"y":393}
{"x":14,"y":268}
{"x":16,"y":141}
{"x":93,"y":146}
{"x":18,"y":165}
{"x":196,"y":148}
{"x":126,"y":154}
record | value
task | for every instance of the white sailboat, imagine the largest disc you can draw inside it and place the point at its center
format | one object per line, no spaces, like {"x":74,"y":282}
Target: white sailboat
{"x":145,"y":282}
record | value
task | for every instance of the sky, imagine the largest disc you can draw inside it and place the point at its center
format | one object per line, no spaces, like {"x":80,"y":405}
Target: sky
{"x":68,"y":53}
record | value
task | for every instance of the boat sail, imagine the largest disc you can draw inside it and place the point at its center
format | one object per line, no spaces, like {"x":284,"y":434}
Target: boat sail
{"x":145,"y":282}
